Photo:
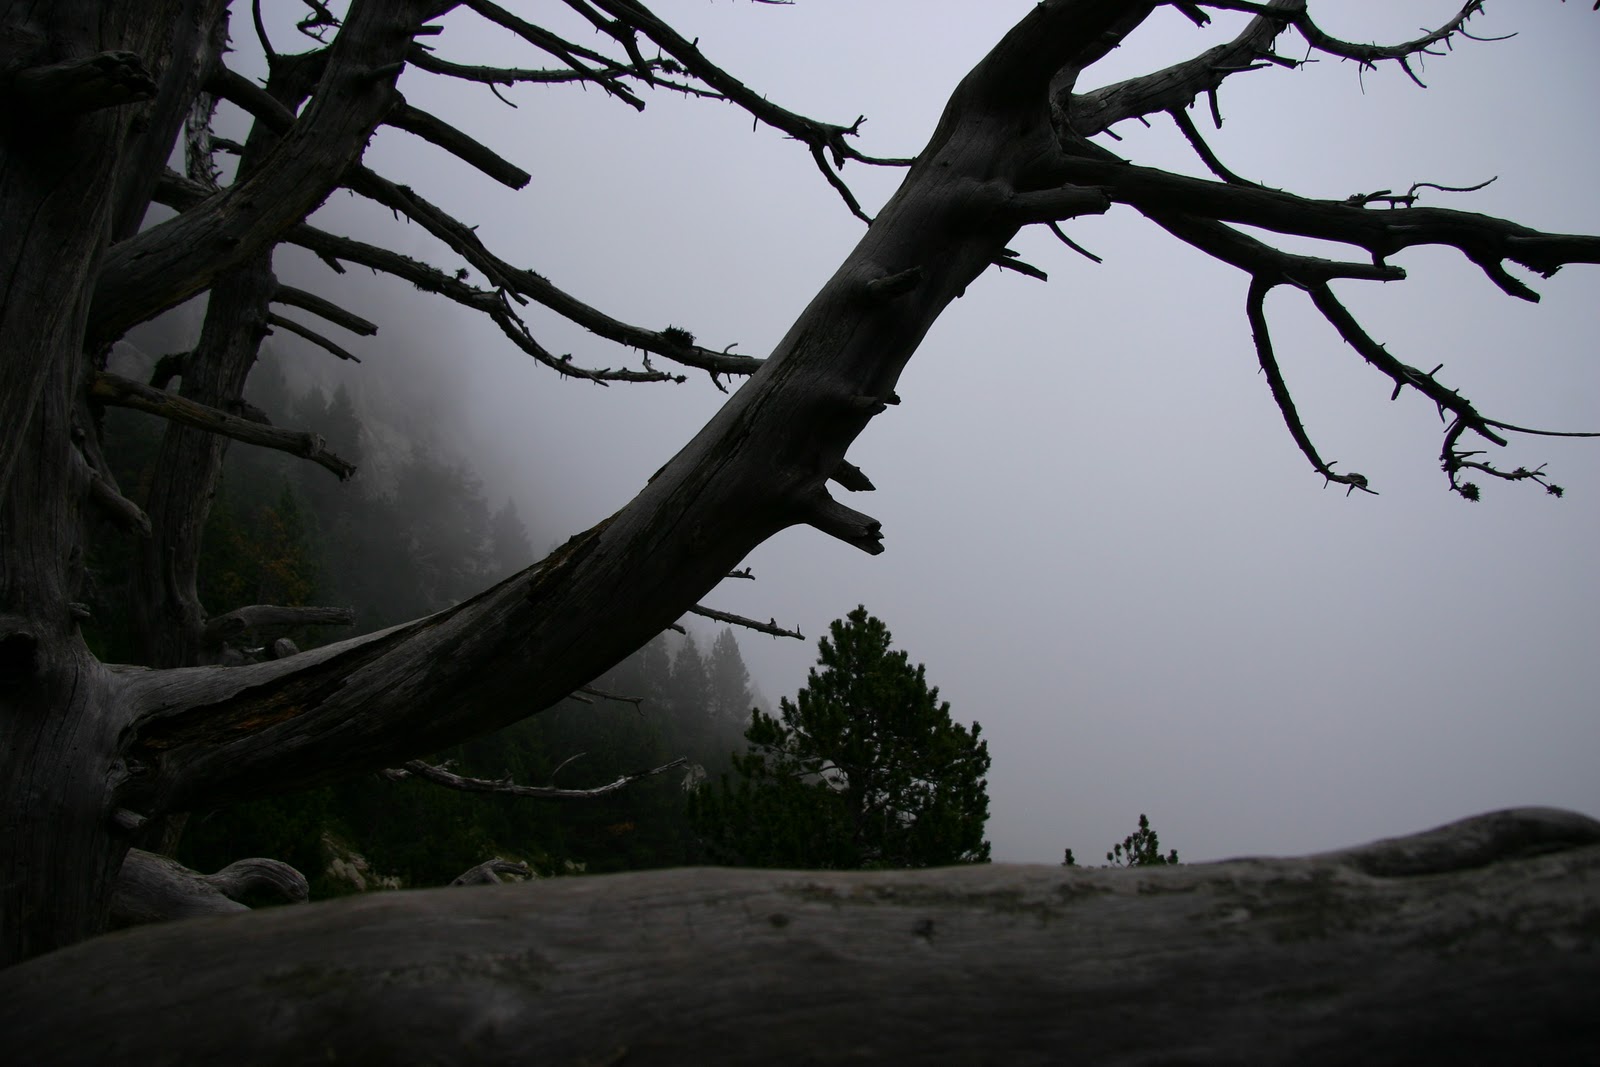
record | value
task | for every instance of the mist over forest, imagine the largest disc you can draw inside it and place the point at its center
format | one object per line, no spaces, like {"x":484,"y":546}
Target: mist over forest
{"x":416,"y":532}
{"x":446,"y":449}
{"x":1128,"y":513}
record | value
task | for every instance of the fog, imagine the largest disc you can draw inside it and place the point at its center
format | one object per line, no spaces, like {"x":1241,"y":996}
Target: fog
{"x":1101,"y":540}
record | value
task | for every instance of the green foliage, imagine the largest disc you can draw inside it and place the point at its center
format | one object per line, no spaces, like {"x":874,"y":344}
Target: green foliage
{"x":255,"y":552}
{"x":865,"y":768}
{"x":729,"y":698}
{"x":1142,"y":848}
{"x":287,"y":828}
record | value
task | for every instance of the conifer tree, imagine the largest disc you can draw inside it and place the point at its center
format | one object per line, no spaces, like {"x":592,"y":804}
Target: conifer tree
{"x":864,"y":768}
{"x":509,"y":547}
{"x":729,"y":679}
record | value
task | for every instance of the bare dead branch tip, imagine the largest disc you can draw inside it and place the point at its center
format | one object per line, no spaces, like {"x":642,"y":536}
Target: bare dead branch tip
{"x":505,"y":787}
{"x":769,"y":627}
{"x":117,"y":391}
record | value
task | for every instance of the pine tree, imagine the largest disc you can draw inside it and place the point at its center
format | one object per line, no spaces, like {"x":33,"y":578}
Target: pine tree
{"x":730,"y":679}
{"x":509,"y":547}
{"x":1142,"y":848}
{"x":865,"y":768}
{"x":342,"y":426}
{"x":655,"y":669}
{"x":447,"y":523}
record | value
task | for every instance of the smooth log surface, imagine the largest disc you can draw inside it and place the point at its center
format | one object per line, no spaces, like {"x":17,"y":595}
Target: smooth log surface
{"x":1476,"y":943}
{"x":152,"y":888}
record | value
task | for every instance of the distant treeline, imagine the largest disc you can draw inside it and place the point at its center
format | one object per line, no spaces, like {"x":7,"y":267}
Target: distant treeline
{"x":283,"y":531}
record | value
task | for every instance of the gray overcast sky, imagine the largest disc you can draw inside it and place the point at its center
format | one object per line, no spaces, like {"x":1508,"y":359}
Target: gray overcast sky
{"x":1101,"y":540}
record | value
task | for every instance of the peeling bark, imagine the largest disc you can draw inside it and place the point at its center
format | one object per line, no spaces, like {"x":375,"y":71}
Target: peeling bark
{"x":1477,"y":943}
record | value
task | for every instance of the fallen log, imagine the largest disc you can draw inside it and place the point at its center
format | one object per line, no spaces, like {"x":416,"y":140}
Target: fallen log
{"x":1475,"y":943}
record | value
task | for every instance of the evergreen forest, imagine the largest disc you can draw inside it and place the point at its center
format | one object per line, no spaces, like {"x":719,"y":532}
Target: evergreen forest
{"x":864,"y":769}
{"x":411,"y":535}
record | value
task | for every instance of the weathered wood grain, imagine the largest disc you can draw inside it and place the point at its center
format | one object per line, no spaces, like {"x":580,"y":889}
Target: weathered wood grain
{"x":1481,"y":945}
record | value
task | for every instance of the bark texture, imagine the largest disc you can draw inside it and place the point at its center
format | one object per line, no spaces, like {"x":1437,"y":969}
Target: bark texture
{"x":152,"y":888}
{"x":1477,"y":943}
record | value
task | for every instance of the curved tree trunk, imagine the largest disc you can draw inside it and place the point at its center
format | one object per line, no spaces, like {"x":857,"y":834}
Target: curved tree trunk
{"x":1475,"y":943}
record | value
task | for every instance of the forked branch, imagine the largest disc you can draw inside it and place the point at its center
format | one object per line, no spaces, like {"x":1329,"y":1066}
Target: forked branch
{"x":826,"y":141}
{"x":179,"y":192}
{"x":1270,"y":267}
{"x":1255,"y":309}
{"x":1368,"y":55}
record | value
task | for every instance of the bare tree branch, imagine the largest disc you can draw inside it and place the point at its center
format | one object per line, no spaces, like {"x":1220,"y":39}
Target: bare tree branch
{"x":313,"y":336}
{"x":1269,"y":267}
{"x":1483,"y":239}
{"x":169,"y":262}
{"x":1175,"y":87}
{"x":140,"y":744}
{"x":589,"y":690}
{"x":630,"y":18}
{"x":770,"y":627}
{"x":520,"y":283}
{"x":438,"y":132}
{"x":1203,"y":150}
{"x":1368,"y":55}
{"x":439,"y":776}
{"x":324,"y":308}
{"x":582,"y":608}
{"x":124,"y":392}
{"x":103,"y":491}
{"x":572,"y":55}
{"x":1254,"y":307}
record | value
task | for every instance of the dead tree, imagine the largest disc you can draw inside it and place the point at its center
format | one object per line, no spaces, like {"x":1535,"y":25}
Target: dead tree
{"x":1474,"y":943}
{"x":93,"y":756}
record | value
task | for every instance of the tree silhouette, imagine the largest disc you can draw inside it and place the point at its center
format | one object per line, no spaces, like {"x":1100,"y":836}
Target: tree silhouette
{"x":864,"y":768}
{"x":1142,"y":848}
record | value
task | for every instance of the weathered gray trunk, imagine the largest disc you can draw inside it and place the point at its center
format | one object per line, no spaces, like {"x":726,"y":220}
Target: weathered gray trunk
{"x":169,"y":619}
{"x":60,"y":718}
{"x":152,"y":888}
{"x":1478,"y":943}
{"x":76,"y":168}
